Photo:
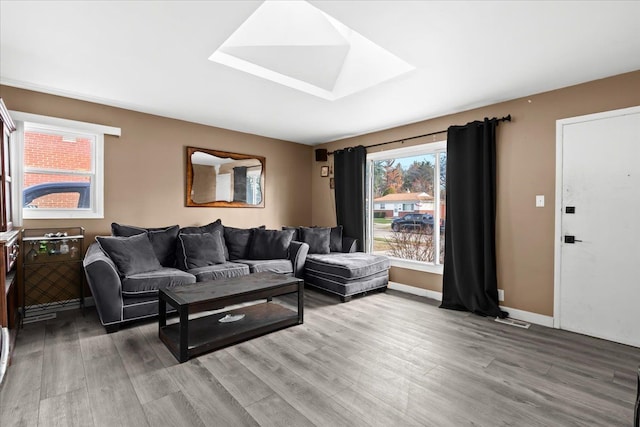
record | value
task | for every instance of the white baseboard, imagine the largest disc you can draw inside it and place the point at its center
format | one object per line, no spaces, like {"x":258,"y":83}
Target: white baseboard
{"x":514,"y":313}
{"x":415,"y":291}
{"x":528,"y":316}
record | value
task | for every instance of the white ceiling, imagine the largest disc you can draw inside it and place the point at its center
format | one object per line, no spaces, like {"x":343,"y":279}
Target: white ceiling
{"x":152,"y":56}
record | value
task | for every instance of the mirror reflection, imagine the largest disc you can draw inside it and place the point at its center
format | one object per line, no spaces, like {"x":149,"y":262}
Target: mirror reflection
{"x":219,"y":178}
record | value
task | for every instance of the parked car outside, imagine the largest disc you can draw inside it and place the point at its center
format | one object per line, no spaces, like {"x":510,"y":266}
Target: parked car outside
{"x":414,"y":221}
{"x":82,"y":188}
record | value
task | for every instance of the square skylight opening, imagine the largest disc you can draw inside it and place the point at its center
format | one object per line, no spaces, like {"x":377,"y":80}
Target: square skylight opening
{"x":297,"y":45}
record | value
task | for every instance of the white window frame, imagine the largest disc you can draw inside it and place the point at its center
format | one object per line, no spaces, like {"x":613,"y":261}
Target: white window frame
{"x":424,"y":149}
{"x":63,"y":126}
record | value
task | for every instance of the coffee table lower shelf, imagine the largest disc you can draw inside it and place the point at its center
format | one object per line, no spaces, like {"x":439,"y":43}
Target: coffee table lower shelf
{"x":206,"y":333}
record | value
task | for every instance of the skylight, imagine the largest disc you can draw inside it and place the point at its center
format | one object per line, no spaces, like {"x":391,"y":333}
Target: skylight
{"x":297,"y":45}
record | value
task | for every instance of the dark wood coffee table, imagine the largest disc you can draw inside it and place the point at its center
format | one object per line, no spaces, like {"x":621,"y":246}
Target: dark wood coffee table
{"x":190,"y":337}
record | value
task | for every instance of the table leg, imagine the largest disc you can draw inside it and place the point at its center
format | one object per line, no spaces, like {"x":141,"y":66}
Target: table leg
{"x":300,"y":303}
{"x":184,"y":334}
{"x":162,"y":312}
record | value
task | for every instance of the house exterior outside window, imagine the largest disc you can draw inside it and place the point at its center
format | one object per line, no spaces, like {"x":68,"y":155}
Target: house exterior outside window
{"x":408,"y":181}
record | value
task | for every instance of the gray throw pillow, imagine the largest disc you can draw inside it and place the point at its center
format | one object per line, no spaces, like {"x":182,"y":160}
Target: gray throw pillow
{"x":335,"y":244}
{"x":296,"y":235}
{"x":317,"y":238}
{"x":238,"y":241}
{"x":270,"y":244}
{"x":209,"y":228}
{"x":131,"y":255}
{"x":201,"y":250}
{"x":163,"y":240}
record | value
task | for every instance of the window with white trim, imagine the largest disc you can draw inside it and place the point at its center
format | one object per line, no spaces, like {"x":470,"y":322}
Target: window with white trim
{"x":60,"y":167}
{"x":414,"y":179}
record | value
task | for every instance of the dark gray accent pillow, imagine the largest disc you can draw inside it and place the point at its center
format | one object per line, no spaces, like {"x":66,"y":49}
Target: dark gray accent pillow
{"x":201,"y":250}
{"x":238,"y":241}
{"x":270,"y":244}
{"x":163,"y":240}
{"x":335,"y":243}
{"x":296,"y":234}
{"x":317,"y":238}
{"x":209,"y":228}
{"x":131,"y":255}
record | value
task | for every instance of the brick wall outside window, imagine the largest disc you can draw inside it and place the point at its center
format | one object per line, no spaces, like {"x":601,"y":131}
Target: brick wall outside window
{"x":49,"y":151}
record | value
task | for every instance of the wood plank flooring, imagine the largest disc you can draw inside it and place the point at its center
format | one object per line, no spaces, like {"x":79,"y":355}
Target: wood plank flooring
{"x":383,"y":360}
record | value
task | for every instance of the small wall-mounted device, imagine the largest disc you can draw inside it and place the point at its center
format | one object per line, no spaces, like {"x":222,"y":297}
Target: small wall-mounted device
{"x":321,"y":155}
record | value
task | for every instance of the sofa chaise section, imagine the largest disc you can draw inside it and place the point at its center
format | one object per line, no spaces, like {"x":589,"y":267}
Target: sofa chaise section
{"x":347,"y":274}
{"x":333,"y":265}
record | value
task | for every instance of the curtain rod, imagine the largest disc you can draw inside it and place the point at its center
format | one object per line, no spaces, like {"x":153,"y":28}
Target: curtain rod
{"x":506,"y":118}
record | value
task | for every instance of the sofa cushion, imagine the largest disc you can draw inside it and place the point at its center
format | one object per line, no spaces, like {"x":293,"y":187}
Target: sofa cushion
{"x":335,"y":243}
{"x":201,"y":250}
{"x":317,"y":238}
{"x":270,"y":244}
{"x":238,"y":241}
{"x":282,"y":266}
{"x":219,"y":271}
{"x":131,"y":255}
{"x":209,"y":228}
{"x":163,"y":240}
{"x":142,"y":284}
{"x":348,"y":287}
{"x":346,"y":265}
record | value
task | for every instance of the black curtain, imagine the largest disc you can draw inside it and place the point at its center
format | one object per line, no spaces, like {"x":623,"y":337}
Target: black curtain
{"x":240,"y":184}
{"x":470,"y":282}
{"x":349,"y":174}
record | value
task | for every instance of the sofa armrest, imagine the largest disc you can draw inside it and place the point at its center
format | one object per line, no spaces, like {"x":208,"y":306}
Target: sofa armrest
{"x":298,"y":255}
{"x":349,"y":244}
{"x":104,"y":282}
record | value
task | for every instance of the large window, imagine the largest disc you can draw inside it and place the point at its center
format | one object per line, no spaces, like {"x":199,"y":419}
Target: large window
{"x":412,"y":178}
{"x":60,"y":165}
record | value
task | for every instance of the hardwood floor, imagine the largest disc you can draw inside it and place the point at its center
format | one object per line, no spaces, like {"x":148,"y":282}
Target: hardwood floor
{"x":383,"y":360}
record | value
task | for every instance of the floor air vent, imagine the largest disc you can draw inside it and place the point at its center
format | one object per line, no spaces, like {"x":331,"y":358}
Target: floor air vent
{"x":39,"y":318}
{"x":514,"y":322}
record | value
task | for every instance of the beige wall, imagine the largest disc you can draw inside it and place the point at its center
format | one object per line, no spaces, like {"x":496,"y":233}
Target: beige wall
{"x":526,"y":167}
{"x":145,"y":168}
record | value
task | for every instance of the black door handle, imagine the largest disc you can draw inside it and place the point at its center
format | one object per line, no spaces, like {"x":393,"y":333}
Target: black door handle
{"x":571,"y":239}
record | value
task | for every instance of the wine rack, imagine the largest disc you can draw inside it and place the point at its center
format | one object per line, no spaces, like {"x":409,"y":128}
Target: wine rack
{"x":52,"y":269}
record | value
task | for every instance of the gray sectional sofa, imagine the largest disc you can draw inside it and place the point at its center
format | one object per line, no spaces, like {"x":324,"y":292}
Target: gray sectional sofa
{"x":124,"y":271}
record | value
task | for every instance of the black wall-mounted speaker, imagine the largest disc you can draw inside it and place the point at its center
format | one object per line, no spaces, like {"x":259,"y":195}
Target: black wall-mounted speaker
{"x":321,"y":155}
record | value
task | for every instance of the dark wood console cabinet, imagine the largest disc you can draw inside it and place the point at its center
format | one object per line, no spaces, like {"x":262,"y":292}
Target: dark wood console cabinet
{"x":9,"y":313}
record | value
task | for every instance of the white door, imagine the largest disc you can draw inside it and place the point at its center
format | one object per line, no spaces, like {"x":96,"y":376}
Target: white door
{"x":597,"y":290}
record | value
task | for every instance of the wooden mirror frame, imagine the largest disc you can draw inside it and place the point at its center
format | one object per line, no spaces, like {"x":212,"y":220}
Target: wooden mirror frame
{"x":222,"y":203}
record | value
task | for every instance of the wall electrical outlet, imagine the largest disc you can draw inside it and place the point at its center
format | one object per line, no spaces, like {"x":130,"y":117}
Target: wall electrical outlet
{"x":500,"y":294}
{"x":540,"y":201}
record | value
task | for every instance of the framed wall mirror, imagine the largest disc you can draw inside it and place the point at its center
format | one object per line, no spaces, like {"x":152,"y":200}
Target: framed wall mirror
{"x":223,"y":179}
